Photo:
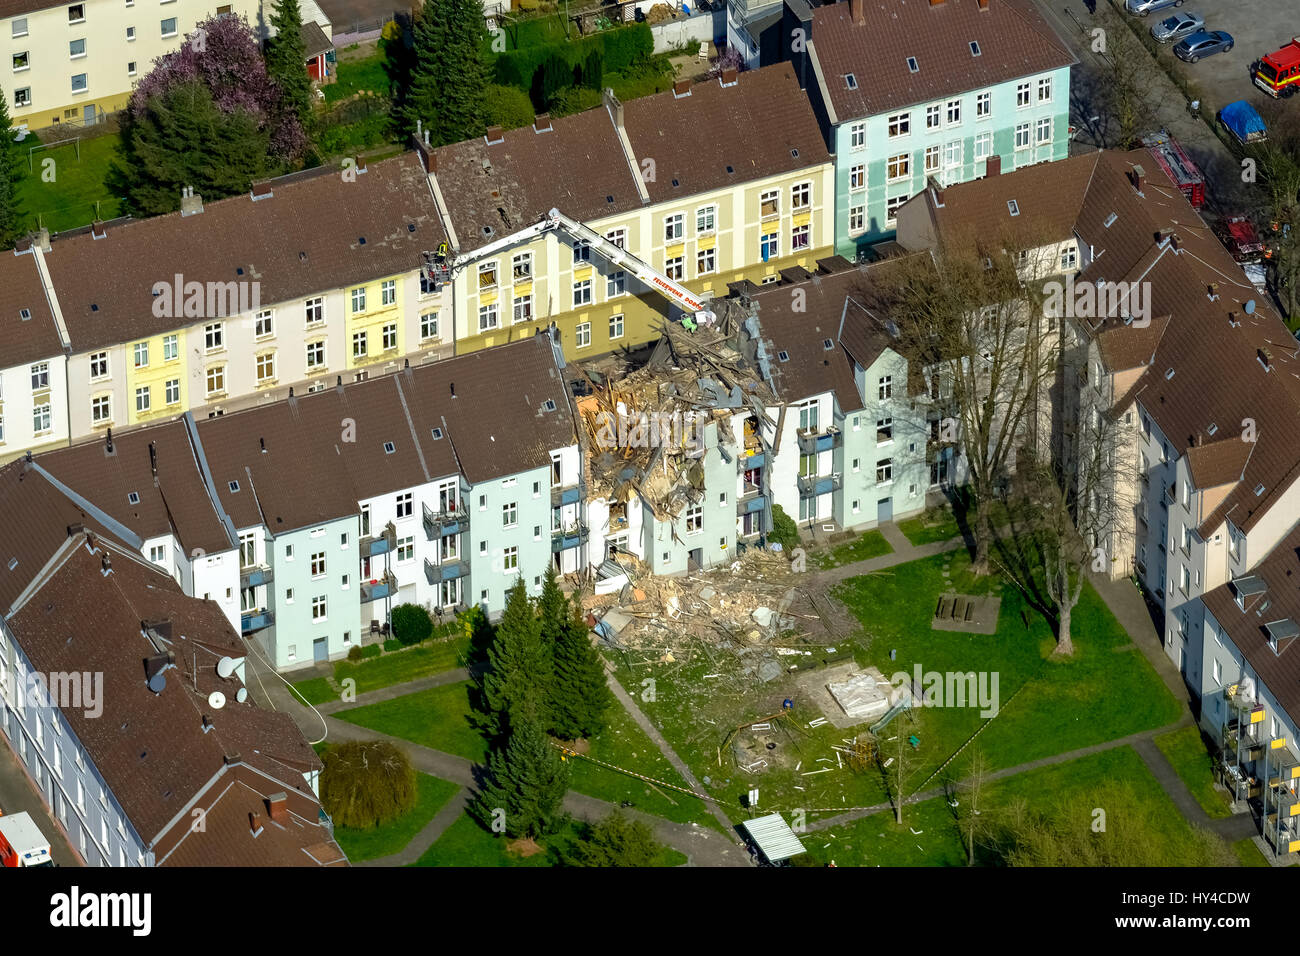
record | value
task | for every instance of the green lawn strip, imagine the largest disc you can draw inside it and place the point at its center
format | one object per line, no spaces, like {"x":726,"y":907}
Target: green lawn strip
{"x":1248,"y":853}
{"x":465,"y":843}
{"x":937,"y":524}
{"x":624,"y":744}
{"x":869,"y":544}
{"x":1098,"y":694}
{"x":366,"y":75}
{"x":437,"y":718}
{"x":316,"y":690}
{"x":431,"y":796}
{"x":1185,"y":750}
{"x":70,"y":199}
{"x":877,"y":840}
{"x":398,"y":667}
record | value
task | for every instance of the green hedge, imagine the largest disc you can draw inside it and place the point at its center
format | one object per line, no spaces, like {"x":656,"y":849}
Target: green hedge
{"x":370,"y":650}
{"x":619,"y":48}
{"x":393,"y":644}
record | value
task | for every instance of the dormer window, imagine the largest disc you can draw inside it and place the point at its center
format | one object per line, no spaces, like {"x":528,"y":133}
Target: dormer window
{"x":850,"y":81}
{"x":912,"y":65}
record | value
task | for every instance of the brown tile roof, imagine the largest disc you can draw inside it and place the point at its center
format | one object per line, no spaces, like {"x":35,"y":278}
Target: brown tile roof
{"x":1218,"y":463}
{"x":36,"y":337}
{"x":1123,"y":347}
{"x":304,"y":239}
{"x":1014,"y":41}
{"x":176,"y":500}
{"x":1280,"y":570}
{"x":577,"y":166}
{"x":150,"y":748}
{"x":762,"y":126}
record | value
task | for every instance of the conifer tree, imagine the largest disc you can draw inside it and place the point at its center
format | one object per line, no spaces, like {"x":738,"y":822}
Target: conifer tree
{"x":579,"y":694}
{"x":450,"y":72}
{"x":525,"y":784}
{"x":519,"y":665}
{"x":286,"y":57}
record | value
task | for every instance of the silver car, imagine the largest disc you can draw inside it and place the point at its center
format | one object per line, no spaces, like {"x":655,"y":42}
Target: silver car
{"x":1143,"y":7}
{"x":1178,"y":26}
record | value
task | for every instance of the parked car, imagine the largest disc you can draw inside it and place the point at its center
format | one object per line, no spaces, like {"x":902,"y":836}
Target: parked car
{"x":1178,"y":26}
{"x":1143,"y":7}
{"x":1203,"y":44}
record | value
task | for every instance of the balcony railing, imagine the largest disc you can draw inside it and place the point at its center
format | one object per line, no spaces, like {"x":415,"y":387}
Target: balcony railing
{"x":750,"y":504}
{"x":254,"y":576}
{"x":381,"y":543}
{"x":565,"y":495}
{"x":811,"y":442}
{"x":251,"y":621}
{"x":438,"y":523}
{"x":450,"y":569}
{"x":564,"y":538}
{"x":379,"y":588}
{"x":748,"y":462}
{"x":819,"y":484}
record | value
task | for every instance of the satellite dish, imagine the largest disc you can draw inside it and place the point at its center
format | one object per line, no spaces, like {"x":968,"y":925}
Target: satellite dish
{"x":216,"y":700}
{"x":157,"y":682}
{"x":226,"y":667}
{"x":241,"y":695}
{"x":1250,"y":307}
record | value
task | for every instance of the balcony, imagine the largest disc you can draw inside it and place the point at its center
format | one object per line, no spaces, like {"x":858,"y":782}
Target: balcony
{"x":253,"y":575}
{"x":811,"y":442}
{"x":565,"y":495}
{"x":382,"y":543}
{"x":571,"y":537}
{"x":379,"y":588}
{"x":819,"y":484}
{"x":750,"y":504}
{"x":442,"y":522}
{"x":449,"y":570}
{"x":251,"y":621}
{"x":751,"y":460}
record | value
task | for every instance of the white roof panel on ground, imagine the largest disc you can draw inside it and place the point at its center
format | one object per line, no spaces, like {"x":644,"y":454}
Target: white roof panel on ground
{"x":774,"y":837}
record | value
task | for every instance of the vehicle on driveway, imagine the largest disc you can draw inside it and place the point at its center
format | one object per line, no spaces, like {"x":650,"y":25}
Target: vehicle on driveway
{"x":1243,"y":122}
{"x":1278,"y":74}
{"x":1172,"y":29}
{"x":1239,"y":235}
{"x":1203,"y":44}
{"x":1143,"y":7}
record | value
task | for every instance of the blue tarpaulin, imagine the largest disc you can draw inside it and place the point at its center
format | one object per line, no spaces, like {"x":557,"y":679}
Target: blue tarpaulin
{"x":1241,"y":118}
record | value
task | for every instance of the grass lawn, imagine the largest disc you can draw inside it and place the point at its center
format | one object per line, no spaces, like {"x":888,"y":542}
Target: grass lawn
{"x":465,"y":843}
{"x":935,"y":524}
{"x":357,"y":76}
{"x":704,"y":700}
{"x":877,"y":840}
{"x":77,"y":196}
{"x":1186,"y":751}
{"x":436,"y":718}
{"x":431,"y":796}
{"x":624,"y":744}
{"x":1248,"y":853}
{"x":869,"y":544}
{"x":434,"y":656}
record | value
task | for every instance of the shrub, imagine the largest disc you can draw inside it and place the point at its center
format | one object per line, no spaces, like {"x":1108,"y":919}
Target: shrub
{"x":355,"y":653}
{"x":393,"y":644}
{"x":369,"y":651}
{"x":784,"y":531}
{"x":411,"y":623}
{"x":366,"y":783}
{"x":508,"y":107}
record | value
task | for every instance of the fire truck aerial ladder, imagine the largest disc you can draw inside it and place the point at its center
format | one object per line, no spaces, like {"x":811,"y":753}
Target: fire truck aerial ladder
{"x":441,"y":266}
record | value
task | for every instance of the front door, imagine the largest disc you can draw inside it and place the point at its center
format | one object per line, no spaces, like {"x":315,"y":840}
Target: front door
{"x":320,"y":650}
{"x":88,"y":115}
{"x":885,"y":509}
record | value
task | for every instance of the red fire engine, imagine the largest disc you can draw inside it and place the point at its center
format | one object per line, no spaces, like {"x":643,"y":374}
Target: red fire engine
{"x":1178,"y":166}
{"x":1278,"y":74}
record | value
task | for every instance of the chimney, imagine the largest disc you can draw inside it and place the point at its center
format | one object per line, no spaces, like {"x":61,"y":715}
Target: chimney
{"x":615,"y":107}
{"x":542,"y":123}
{"x":728,"y":77}
{"x":984,"y":4}
{"x":1176,"y":241}
{"x":993,"y":166}
{"x":191,"y":205}
{"x":43,"y":240}
{"x":936,"y":3}
{"x":277,"y":805}
{"x":153,"y":460}
{"x":495,"y":134}
{"x":75,"y":529}
{"x":1265,"y":358}
{"x":681,"y":88}
{"x":453,"y":389}
{"x":1138,"y":176}
{"x":105,"y":565}
{"x":108,"y":440}
{"x":1234,"y":319}
{"x":858,"y":12}
{"x":1213,"y":292}
{"x":255,"y":823}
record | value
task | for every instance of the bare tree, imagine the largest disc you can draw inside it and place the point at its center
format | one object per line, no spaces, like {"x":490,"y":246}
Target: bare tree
{"x":900,"y":764}
{"x":1277,"y":168}
{"x":1127,"y":79}
{"x":972,"y":827}
{"x":970,"y":314}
